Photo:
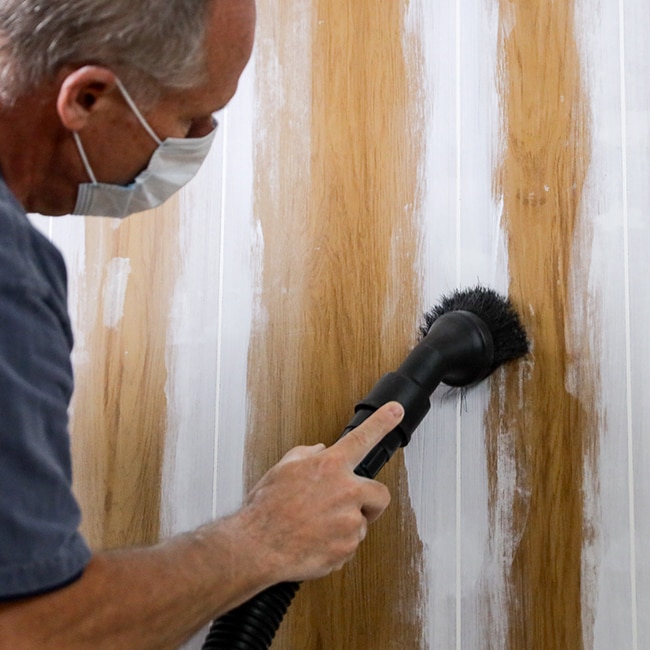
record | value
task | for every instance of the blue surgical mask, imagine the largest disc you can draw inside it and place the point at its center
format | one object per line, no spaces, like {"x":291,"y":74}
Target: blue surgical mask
{"x":173,"y":164}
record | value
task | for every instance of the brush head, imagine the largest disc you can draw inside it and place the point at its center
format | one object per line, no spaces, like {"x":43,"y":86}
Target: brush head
{"x":498,"y":314}
{"x":465,"y":338}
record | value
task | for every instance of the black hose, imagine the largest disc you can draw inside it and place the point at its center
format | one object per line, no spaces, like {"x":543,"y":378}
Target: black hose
{"x":252,"y":625}
{"x":459,"y":350}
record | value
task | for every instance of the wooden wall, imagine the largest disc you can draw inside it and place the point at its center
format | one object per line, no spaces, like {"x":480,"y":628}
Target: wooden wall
{"x":374,"y":158}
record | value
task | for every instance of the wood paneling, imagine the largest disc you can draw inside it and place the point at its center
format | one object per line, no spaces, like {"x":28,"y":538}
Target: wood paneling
{"x":119,"y":420}
{"x":550,"y":408}
{"x":377,"y":156}
{"x":337,"y":199}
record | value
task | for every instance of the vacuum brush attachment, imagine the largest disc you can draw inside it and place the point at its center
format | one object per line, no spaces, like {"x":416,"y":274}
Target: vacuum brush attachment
{"x":465,"y":338}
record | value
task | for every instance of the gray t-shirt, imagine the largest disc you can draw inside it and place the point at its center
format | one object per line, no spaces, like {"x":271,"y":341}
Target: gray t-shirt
{"x":40,"y":546}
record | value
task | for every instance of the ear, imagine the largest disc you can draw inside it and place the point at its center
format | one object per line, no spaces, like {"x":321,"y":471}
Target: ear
{"x":82,"y":92}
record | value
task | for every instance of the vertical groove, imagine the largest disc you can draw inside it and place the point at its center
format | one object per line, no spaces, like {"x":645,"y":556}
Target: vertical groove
{"x":543,"y":416}
{"x":337,"y":198}
{"x":458,"y":216}
{"x":220,"y":312}
{"x":628,"y":336}
{"x":459,"y":528}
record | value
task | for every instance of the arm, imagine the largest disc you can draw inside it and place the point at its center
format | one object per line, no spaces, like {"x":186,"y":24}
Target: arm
{"x":304,"y":519}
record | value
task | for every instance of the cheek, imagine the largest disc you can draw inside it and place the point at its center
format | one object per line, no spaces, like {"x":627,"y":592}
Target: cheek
{"x":121,"y":162}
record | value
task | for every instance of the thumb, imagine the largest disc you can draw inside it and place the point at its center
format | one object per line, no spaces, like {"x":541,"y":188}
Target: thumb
{"x":358,"y":442}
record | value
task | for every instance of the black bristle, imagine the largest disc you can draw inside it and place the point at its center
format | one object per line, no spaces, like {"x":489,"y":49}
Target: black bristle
{"x":497,"y":312}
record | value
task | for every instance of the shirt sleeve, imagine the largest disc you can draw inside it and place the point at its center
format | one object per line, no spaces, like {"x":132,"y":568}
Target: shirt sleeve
{"x":40,"y":545}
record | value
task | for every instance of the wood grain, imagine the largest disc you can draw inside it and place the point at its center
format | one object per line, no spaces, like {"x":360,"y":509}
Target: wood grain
{"x":543,"y":416}
{"x":120,"y":408}
{"x":337,"y":199}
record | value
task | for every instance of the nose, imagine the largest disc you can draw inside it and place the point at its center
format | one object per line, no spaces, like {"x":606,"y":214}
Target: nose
{"x":202,"y":127}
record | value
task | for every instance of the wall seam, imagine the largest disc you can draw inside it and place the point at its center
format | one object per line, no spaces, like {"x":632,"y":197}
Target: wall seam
{"x":628,"y":351}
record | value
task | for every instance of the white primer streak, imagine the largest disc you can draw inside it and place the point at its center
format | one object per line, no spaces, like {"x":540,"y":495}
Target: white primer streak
{"x":628,"y":335}
{"x":114,"y":290}
{"x":459,"y":171}
{"x":220,"y":312}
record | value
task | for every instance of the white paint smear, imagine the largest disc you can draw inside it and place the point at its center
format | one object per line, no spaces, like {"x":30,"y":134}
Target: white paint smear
{"x":114,"y":290}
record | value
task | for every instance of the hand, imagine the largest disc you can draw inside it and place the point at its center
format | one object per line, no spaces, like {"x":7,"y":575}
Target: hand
{"x":309,"y":513}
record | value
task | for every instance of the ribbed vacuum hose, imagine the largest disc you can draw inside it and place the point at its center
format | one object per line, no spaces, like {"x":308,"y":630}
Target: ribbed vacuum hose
{"x":253,"y":625}
{"x":459,"y":349}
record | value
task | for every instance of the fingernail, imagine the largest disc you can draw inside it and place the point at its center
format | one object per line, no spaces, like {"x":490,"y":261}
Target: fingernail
{"x":396,"y":409}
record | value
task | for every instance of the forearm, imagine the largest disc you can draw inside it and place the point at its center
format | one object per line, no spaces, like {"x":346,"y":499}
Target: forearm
{"x":304,"y":519}
{"x":141,"y":598}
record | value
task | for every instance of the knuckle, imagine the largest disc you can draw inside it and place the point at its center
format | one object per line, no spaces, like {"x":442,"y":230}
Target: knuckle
{"x":331,"y":456}
{"x":348,"y":547}
{"x":365,"y":433}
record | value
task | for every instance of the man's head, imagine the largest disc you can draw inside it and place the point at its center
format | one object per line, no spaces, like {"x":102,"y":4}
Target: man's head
{"x":59,"y":62}
{"x":149,"y":43}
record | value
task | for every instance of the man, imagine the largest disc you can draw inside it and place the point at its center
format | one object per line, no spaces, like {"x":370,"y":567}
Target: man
{"x":99,"y":101}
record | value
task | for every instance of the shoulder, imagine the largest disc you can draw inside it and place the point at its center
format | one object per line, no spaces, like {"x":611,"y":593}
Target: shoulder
{"x":29,"y":263}
{"x":40,"y":546}
{"x":26,"y":256}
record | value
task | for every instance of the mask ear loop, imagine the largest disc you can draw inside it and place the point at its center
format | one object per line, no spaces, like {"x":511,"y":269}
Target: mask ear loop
{"x":84,"y":158}
{"x":136,"y":110}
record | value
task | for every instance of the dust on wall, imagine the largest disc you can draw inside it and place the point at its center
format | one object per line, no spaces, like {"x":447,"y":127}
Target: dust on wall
{"x":337,"y":199}
{"x":119,"y":410}
{"x":542,"y":421}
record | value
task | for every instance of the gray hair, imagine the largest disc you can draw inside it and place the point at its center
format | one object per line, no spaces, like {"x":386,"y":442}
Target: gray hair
{"x":150,"y":44}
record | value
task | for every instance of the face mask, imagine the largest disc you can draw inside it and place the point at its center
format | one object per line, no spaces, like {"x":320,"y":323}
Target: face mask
{"x":172,"y":165}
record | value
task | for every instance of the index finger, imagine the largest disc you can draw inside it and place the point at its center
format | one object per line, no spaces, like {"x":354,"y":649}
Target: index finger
{"x":356,"y":444}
